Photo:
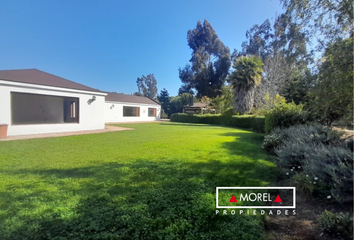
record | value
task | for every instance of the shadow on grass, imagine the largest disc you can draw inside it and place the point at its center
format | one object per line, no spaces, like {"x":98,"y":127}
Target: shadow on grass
{"x":198,"y":125}
{"x":141,"y":199}
{"x":204,"y":125}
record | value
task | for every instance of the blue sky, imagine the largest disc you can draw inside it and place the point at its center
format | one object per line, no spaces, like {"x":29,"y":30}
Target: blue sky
{"x":109,"y":44}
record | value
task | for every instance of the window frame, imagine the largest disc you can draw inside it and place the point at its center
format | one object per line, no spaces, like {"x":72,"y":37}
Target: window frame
{"x":154,"y":110}
{"x":71,"y":113}
{"x":137,"y":111}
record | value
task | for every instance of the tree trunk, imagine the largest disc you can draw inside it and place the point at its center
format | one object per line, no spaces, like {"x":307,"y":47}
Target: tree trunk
{"x":243,"y":99}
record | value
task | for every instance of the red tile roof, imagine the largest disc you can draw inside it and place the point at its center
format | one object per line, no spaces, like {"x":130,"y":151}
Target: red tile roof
{"x":35,"y":76}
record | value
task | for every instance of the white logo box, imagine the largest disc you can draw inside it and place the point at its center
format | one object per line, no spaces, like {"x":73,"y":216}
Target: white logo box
{"x":249,"y":188}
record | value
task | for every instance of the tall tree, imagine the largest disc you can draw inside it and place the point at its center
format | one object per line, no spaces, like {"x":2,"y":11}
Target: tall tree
{"x":164,"y":96}
{"x":138,"y":94}
{"x":224,"y":100}
{"x":297,"y":90}
{"x":185,"y":89}
{"x":246,"y":76}
{"x":329,"y":25}
{"x":187,"y":77}
{"x":259,"y":37}
{"x":164,"y":99}
{"x":332,"y":95}
{"x":277,"y":74}
{"x":282,"y":48}
{"x":209,"y":64}
{"x":177,"y":103}
{"x":290,"y":41}
{"x":147,"y":85}
{"x":325,"y":19}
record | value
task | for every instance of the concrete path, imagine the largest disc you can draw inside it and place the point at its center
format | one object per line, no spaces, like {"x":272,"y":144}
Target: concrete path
{"x":108,"y":128}
{"x":117,"y":123}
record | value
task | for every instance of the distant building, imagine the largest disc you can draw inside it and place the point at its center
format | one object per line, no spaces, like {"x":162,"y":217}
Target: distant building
{"x":129,"y":108}
{"x":35,"y":102}
{"x":199,"y":108}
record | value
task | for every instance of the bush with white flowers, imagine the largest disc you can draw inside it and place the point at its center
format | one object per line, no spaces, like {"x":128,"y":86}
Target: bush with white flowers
{"x":320,"y":154}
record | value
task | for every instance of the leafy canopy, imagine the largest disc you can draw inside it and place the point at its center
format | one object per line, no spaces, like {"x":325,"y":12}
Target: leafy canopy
{"x":164,"y":99}
{"x":326,"y":18}
{"x":335,"y":80}
{"x":247,"y":73}
{"x":147,"y":86}
{"x":164,"y":96}
{"x":223,"y":102}
{"x":209,"y":64}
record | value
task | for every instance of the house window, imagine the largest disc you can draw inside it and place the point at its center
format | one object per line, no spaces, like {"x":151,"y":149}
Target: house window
{"x":131,"y":111}
{"x":152,"y":112}
{"x":73,"y":109}
{"x":29,"y":108}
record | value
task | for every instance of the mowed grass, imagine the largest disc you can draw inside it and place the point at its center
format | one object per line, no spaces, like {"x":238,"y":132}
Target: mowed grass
{"x":154,"y":182}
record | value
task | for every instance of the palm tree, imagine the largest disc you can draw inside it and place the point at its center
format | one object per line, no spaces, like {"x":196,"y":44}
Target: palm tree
{"x":246,"y":76}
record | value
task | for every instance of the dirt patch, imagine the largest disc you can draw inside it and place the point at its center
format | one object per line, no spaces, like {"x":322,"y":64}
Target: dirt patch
{"x":347,"y":133}
{"x":308,"y":208}
{"x":304,"y":224}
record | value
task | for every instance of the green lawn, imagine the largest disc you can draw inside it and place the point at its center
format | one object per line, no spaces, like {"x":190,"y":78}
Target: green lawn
{"x":155,"y":182}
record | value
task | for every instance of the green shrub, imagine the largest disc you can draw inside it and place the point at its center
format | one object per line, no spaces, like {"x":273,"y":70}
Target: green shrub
{"x":243,"y":121}
{"x":272,"y":141}
{"x":306,"y":134}
{"x":284,"y":116}
{"x":229,"y":111}
{"x":304,"y":183}
{"x":258,"y":124}
{"x":268,"y":104}
{"x":292,"y":153}
{"x":297,"y":141}
{"x":319,"y":152}
{"x":338,"y":225}
{"x":349,"y":144}
{"x":333,"y":165}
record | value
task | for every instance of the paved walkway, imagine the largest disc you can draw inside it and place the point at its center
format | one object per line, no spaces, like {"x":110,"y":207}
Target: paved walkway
{"x":108,"y":128}
{"x":117,"y":123}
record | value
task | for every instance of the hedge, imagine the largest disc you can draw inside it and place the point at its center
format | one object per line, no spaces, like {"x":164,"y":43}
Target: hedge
{"x":286,"y":115}
{"x":256,"y":123}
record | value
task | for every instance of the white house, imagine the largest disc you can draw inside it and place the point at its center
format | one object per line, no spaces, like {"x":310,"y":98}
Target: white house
{"x":128,"y":108}
{"x":33,"y":101}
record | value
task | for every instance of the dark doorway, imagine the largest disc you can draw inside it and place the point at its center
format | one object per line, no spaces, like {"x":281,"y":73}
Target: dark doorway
{"x":29,"y":108}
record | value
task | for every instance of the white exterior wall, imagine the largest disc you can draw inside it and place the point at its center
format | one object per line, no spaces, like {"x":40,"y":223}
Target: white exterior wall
{"x":115,"y":114}
{"x":91,"y":116}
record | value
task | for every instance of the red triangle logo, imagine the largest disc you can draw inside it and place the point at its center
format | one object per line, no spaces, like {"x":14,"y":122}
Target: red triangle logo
{"x":233,"y":199}
{"x":277,"y":199}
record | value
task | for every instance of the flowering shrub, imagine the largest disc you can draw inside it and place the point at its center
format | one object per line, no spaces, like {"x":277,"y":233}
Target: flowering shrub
{"x":305,"y":183}
{"x":320,"y":154}
{"x":334,"y":166}
{"x":302,"y":135}
{"x":331,"y":166}
{"x":301,"y":140}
